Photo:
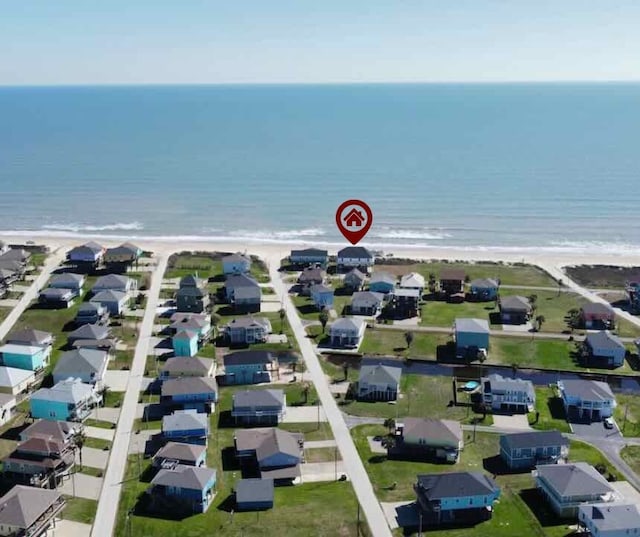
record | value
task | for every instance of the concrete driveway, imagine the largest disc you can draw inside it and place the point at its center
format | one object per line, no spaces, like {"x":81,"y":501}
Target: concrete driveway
{"x":313,"y":472}
{"x":86,"y":486}
{"x":95,"y":458}
{"x":116,"y":380}
{"x":515,"y":421}
{"x":304,"y":414}
{"x":138,"y":441}
{"x":596,"y":430}
{"x":106,"y":414}
{"x":70,"y":528}
{"x":99,"y":432}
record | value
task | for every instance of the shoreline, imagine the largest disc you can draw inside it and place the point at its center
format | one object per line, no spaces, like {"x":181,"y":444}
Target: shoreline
{"x":279,"y":248}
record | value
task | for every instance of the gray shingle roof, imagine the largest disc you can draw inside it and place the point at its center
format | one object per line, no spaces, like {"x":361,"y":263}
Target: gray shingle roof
{"x":589,"y":390}
{"x":191,"y":281}
{"x":111,"y":281}
{"x":535,"y":439}
{"x":307,"y":252}
{"x":610,"y":516}
{"x":577,"y":479}
{"x":189,"y":385}
{"x":384,"y":277}
{"x":380,"y":374}
{"x":109,"y":296}
{"x":66,"y":278}
{"x":66,"y":391}
{"x":484,"y":283}
{"x":267,"y":442}
{"x":57,"y":293}
{"x":236,"y":281}
{"x":472,"y":325}
{"x":355,"y":252}
{"x":248,"y":357}
{"x":254,"y":490}
{"x":515,"y":303}
{"x":505,"y":384}
{"x":366,"y":299}
{"x":23,"y":506}
{"x":347,"y":323}
{"x":604,"y":340}
{"x":255,"y":398}
{"x":183,"y":476}
{"x":49,"y":429}
{"x":187,"y":364}
{"x":452,"y":274}
{"x":597,"y":308}
{"x":29,"y":336}
{"x":80,"y":361}
{"x":235,"y":258}
{"x":180,"y":451}
{"x":445,"y":430}
{"x":455,"y":485}
{"x":249,"y":321}
{"x":182,"y":420}
{"x":90,"y":331}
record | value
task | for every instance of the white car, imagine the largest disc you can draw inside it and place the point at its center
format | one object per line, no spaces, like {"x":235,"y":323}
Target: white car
{"x":608,"y":423}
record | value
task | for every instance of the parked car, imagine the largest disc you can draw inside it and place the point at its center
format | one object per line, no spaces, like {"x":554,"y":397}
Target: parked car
{"x":608,"y":423}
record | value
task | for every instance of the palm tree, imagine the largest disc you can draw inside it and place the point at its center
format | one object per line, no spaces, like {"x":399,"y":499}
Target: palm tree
{"x":345,"y":370}
{"x":573,"y":318}
{"x":560,"y":284}
{"x":533,"y":300}
{"x":432,"y":282}
{"x":324,"y":319}
{"x":539,"y":320}
{"x":408,"y":337}
{"x":390,"y":424}
{"x":282,"y":315}
{"x":389,"y":442}
{"x":305,"y":392}
{"x":78,"y":442}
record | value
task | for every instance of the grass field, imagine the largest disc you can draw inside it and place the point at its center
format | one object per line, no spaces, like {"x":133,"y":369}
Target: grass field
{"x":552,"y":415}
{"x":628,"y":404}
{"x":209,"y":265}
{"x":308,"y":311}
{"x":80,"y":510}
{"x":507,"y":274}
{"x":4,"y":312}
{"x":631,"y":455}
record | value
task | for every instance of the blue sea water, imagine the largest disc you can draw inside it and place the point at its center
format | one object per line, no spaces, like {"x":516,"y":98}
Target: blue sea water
{"x":541,"y":166}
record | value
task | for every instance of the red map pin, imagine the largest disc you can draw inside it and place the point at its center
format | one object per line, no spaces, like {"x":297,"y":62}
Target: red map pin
{"x":354,"y":218}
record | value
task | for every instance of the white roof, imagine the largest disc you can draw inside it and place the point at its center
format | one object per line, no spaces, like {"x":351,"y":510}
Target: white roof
{"x":347,"y":323}
{"x":12,"y":348}
{"x":413,"y":279}
{"x":12,"y":376}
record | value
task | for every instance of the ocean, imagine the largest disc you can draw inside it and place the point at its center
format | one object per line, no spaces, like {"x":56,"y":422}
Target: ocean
{"x":472,"y":166}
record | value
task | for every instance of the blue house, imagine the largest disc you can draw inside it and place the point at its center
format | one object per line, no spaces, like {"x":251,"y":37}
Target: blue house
{"x":236,"y":264}
{"x":67,"y":280}
{"x":248,"y":367}
{"x":586,"y":399}
{"x":200,"y":393}
{"x":254,"y":494}
{"x":24,"y":356}
{"x":382,"y":282}
{"x":322,"y":296}
{"x":604,"y":349}
{"x":185,"y":343}
{"x":470,"y":336}
{"x":69,"y":400}
{"x":188,"y":426}
{"x":309,"y":256}
{"x":484,"y":289}
{"x":526,"y":450}
{"x":183,"y":488}
{"x":455,"y":498}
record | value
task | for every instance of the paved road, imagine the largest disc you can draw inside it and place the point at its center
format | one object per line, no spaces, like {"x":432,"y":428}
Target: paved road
{"x":358,"y":475}
{"x":52,"y":262}
{"x":105,"y":519}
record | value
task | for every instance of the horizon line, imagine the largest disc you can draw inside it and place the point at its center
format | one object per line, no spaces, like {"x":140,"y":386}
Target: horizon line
{"x":327,"y":83}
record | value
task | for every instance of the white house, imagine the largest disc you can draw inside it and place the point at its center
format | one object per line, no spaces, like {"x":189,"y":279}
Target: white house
{"x":379,"y":382}
{"x":14,"y":381}
{"x":347,"y":332}
{"x":7,"y":406}
{"x":413,"y":280}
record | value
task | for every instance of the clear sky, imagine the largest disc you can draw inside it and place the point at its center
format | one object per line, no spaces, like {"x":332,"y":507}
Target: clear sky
{"x":310,"y":41}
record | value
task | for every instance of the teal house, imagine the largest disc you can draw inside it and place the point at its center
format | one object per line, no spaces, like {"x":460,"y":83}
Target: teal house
{"x":248,"y":367}
{"x":69,"y":400}
{"x":185,"y":343}
{"x":27,"y":357}
{"x":471,"y":335}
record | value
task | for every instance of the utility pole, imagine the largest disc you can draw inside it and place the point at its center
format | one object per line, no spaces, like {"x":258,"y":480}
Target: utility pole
{"x":624,"y":423}
{"x":335,"y":462}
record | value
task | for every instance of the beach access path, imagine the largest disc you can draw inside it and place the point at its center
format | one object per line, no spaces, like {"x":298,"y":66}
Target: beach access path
{"x":51,"y":263}
{"x":370,"y":505}
{"x":104,"y":522}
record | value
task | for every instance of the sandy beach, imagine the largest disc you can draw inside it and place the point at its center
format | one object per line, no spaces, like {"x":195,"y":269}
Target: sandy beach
{"x":277,"y":250}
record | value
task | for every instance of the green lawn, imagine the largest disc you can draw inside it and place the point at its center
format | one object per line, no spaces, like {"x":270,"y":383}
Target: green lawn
{"x":99,"y":423}
{"x":80,"y":510}
{"x":95,"y":472}
{"x":439,"y":313}
{"x":552,"y":415}
{"x":206,"y":264}
{"x":512,"y":514}
{"x":113,"y":399}
{"x":631,"y":455}
{"x":421,"y":396}
{"x":97,"y":443}
{"x":329,"y":454}
{"x":392,"y":343}
{"x":580,"y":451}
{"x":628,"y":404}
{"x":312,"y":430}
{"x":515,"y":274}
{"x":4,"y":312}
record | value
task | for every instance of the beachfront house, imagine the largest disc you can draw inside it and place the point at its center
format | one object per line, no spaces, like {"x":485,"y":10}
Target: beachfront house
{"x":88,"y":256}
{"x":8,"y":405}
{"x":68,"y":280}
{"x":200,"y":393}
{"x":382,"y":282}
{"x":236,"y":264}
{"x":264,"y":407}
{"x":192,"y":295}
{"x":248,"y":367}
{"x":515,"y":309}
{"x":567,"y":486}
{"x":603,"y":349}
{"x":181,"y":366}
{"x":247,"y":330}
{"x":254,"y":494}
{"x":405,"y":303}
{"x":505,"y":394}
{"x":379,"y":382}
{"x":276,"y":453}
{"x":27,"y":357}
{"x":121,"y":257}
{"x":322,"y":296}
{"x":366,"y":303}
{"x":483,"y":289}
{"x":114,"y":282}
{"x":354,"y":256}
{"x":590,"y":400}
{"x":528,"y":449}
{"x":243,"y":293}
{"x":428,"y":438}
{"x":187,"y":426}
{"x":30,"y":511}
{"x":68,"y":400}
{"x":619,"y":519}
{"x":470,"y":336}
{"x":178,"y":453}
{"x":91,"y":313}
{"x":347,"y":332}
{"x":89,"y":332}
{"x":354,"y":280}
{"x":413,"y":280}
{"x":115,"y":302}
{"x":182,"y":488}
{"x":54,"y":298}
{"x":185,"y":343}
{"x":463,"y":498}
{"x":452,"y":282}
{"x":595,"y":315}
{"x":88,"y":365}
{"x":14,"y":380}
{"x":309,"y":256}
